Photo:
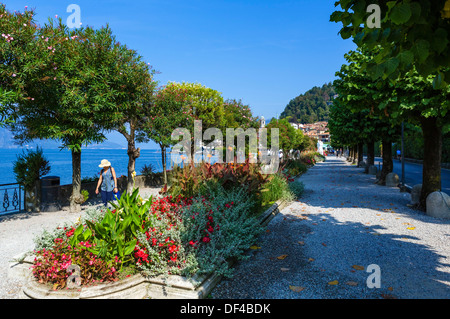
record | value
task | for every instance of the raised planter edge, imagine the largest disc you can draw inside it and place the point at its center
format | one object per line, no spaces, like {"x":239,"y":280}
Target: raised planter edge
{"x":134,"y":287}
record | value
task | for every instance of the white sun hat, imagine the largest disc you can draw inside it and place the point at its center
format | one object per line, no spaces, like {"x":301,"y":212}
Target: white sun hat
{"x":104,"y":163}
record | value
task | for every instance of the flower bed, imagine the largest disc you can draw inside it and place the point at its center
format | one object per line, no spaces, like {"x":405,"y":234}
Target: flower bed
{"x":156,"y":247}
{"x":135,"y":286}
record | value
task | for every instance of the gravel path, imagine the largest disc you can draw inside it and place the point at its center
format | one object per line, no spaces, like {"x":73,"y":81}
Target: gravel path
{"x":342,"y":224}
{"x":17,"y":232}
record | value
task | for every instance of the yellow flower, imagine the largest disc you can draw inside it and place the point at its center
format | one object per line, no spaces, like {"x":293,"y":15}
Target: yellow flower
{"x":133,"y":174}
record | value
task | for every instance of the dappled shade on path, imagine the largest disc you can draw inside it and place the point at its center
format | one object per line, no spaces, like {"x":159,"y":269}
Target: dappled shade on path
{"x":343,"y":223}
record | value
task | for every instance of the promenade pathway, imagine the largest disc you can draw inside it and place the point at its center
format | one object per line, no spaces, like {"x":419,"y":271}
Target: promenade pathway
{"x":319,"y":247}
{"x":323,"y":245}
{"x":17,"y":232}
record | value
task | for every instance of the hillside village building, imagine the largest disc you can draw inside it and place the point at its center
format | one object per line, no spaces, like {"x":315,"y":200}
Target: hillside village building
{"x":318,"y":130}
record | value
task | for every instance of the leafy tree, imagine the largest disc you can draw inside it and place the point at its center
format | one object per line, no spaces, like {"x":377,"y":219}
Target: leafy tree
{"x":237,"y":114}
{"x":135,"y":105}
{"x":166,"y":115}
{"x":414,"y":35}
{"x":201,"y":104}
{"x":288,"y":135}
{"x":362,"y":96}
{"x":18,"y":30}
{"x":71,"y":91}
{"x":411,"y":50}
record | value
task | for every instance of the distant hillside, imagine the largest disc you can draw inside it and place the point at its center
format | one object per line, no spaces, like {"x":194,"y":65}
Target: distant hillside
{"x":311,"y":107}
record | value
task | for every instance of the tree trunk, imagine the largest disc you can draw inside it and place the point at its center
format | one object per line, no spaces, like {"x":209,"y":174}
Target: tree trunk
{"x":388,"y":164}
{"x":350,"y":154}
{"x":431,"y":178}
{"x":360,"y":154}
{"x":163,"y":158}
{"x":133,"y":153}
{"x":76,"y":198}
{"x":370,"y":153}
{"x":355,"y":154}
{"x":370,"y":156}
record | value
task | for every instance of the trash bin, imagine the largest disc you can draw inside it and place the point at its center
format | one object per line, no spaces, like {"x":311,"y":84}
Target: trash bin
{"x":49,"y":189}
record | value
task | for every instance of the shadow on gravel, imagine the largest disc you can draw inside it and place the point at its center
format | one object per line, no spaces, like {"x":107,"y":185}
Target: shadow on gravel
{"x":348,"y":186}
{"x":319,"y":249}
{"x":409,"y":269}
{"x":309,"y":251}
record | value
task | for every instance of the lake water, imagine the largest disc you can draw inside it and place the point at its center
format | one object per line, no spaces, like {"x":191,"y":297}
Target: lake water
{"x":61,"y":162}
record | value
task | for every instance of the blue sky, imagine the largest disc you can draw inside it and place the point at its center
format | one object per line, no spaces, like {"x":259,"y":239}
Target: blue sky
{"x":265,"y":52}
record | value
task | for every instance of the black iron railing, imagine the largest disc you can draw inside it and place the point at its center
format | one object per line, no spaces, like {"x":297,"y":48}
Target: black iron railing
{"x":12,"y":198}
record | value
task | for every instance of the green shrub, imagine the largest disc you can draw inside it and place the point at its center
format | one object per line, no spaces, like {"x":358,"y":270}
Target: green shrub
{"x":150,"y":176}
{"x":218,"y":229}
{"x":115,"y":234}
{"x":29,"y":167}
{"x":189,"y":181}
{"x":147,"y":170}
{"x":85,"y":194}
{"x":295,"y":167}
{"x":277,"y":188}
{"x":89,"y":179}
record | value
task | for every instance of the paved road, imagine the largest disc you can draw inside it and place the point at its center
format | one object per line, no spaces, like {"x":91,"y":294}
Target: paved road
{"x":413,"y":173}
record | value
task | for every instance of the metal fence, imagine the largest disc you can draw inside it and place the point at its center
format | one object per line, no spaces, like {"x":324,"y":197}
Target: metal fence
{"x":12,"y":198}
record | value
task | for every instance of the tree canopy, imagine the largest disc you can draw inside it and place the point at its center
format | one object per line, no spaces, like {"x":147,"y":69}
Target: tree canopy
{"x":414,"y":34}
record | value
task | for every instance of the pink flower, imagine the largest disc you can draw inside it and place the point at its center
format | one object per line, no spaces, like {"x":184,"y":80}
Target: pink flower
{"x":14,"y":75}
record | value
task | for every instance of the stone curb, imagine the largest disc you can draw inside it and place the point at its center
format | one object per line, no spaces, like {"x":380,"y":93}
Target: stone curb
{"x":134,"y":287}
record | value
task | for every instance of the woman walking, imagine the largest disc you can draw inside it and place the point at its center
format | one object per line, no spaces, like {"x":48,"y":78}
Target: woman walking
{"x":107,"y":181}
